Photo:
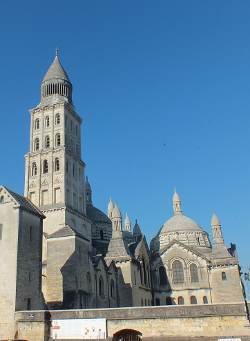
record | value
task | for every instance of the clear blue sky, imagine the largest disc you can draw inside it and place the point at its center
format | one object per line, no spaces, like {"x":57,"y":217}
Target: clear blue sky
{"x":164,"y":91}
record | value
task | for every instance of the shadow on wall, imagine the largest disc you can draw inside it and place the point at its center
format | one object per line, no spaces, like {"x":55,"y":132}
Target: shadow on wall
{"x":127,"y":335}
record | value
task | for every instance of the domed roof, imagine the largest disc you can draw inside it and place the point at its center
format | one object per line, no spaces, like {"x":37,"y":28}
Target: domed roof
{"x":97,"y":215}
{"x":56,"y":71}
{"x":179,"y":223}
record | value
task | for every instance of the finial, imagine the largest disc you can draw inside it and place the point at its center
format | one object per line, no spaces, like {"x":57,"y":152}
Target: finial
{"x":57,"y":52}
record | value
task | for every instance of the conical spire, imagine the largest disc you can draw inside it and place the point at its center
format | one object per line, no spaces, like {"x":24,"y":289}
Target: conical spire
{"x":56,"y":70}
{"x":116,"y":218}
{"x":56,"y":85}
{"x":110,"y":208}
{"x":176,"y":203}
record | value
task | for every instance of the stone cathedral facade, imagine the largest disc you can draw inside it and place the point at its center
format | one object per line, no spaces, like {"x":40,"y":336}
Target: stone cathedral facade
{"x":69,"y":254}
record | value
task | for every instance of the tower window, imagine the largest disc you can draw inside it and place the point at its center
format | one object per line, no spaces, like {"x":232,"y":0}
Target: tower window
{"x":76,"y":130}
{"x":1,"y":199}
{"x":194,"y":273}
{"x":223,"y":276}
{"x":178,"y":273}
{"x":28,"y":303}
{"x":169,"y":301}
{"x":205,"y":301}
{"x":36,"y":144}
{"x":101,"y":234}
{"x":163,"y":276}
{"x":58,"y":140}
{"x":112,"y":288}
{"x":101,"y":286}
{"x":47,"y":142}
{"x":34,"y":169}
{"x":47,"y":121}
{"x":58,"y":119}
{"x":67,"y":166}
{"x":57,"y":165}
{"x":37,"y":124}
{"x":45,"y":166}
{"x":30,"y":234}
{"x":193,"y":300}
{"x":180,"y":300}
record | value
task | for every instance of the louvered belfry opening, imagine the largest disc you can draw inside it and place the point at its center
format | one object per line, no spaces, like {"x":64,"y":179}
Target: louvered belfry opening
{"x":61,"y":88}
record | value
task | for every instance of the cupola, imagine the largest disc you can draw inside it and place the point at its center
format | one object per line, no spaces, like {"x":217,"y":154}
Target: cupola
{"x":56,"y":84}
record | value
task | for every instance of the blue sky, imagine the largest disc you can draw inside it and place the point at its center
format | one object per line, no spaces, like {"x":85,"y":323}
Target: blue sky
{"x":164,"y":91}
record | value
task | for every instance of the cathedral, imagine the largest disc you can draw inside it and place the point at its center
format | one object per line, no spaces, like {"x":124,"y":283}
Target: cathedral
{"x":61,"y":252}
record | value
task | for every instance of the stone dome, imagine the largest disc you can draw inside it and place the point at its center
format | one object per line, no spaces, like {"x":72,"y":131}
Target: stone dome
{"x":180,"y":223}
{"x":96,"y":215}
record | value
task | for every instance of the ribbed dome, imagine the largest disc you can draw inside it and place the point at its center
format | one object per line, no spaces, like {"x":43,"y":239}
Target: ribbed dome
{"x":56,"y":71}
{"x":180,"y":222}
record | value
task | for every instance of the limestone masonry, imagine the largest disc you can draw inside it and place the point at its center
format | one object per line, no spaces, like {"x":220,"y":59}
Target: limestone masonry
{"x":60,"y":252}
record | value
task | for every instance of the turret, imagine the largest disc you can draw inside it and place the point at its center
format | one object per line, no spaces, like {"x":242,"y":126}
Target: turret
{"x":116,"y":219}
{"x":56,"y":85}
{"x":176,"y":203}
{"x":88,"y":192}
{"x":137,"y":230}
{"x":217,"y":231}
{"x":110,"y":208}
{"x":127,"y":223}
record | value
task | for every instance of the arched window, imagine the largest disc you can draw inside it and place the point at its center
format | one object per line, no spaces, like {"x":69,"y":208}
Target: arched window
{"x":194,"y":273}
{"x":163,"y":276}
{"x":193,"y":300}
{"x":58,"y":140}
{"x":1,"y":199}
{"x":36,"y":144}
{"x":101,"y":286}
{"x":223,"y":276}
{"x":157,"y":301}
{"x":178,"y":273}
{"x":88,"y":282}
{"x":169,"y":301}
{"x":112,"y":288}
{"x":180,"y":300}
{"x":37,"y":124}
{"x":47,"y":121}
{"x":34,"y":169}
{"x":205,"y":301}
{"x":101,"y":234}
{"x":57,"y":165}
{"x":142,"y":302}
{"x":45,"y":166}
{"x":47,"y":142}
{"x":58,"y":119}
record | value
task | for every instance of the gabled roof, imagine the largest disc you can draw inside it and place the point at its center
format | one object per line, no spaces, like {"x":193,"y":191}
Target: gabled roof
{"x":188,"y":248}
{"x":24,"y":203}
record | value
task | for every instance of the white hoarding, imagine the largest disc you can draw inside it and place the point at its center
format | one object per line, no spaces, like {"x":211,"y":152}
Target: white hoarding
{"x":79,"y":329}
{"x":230,"y":339}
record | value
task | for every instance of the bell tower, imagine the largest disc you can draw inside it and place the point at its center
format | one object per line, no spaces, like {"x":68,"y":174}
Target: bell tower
{"x":54,"y":170}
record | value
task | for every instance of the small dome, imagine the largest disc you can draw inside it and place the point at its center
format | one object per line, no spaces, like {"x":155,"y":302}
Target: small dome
{"x":116,"y":213}
{"x":215,"y":220}
{"x":179,"y":223}
{"x":56,"y":71}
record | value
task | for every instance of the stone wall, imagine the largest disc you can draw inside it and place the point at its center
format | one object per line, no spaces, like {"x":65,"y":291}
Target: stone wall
{"x":204,"y":322}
